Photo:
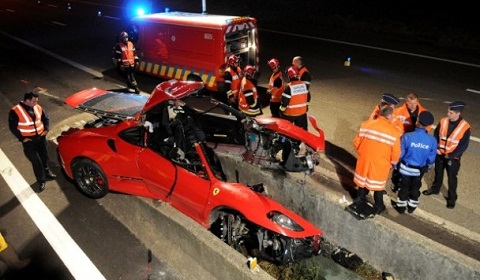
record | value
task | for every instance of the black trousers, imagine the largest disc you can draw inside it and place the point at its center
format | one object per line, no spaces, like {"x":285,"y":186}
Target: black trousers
{"x":37,"y":154}
{"x":377,"y":197}
{"x":275,"y":109}
{"x":452,"y":166}
{"x":128,"y":72}
{"x":410,"y":189}
{"x":300,"y":121}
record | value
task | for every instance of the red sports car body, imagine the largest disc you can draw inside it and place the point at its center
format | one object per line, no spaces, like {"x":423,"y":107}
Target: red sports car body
{"x":114,"y":153}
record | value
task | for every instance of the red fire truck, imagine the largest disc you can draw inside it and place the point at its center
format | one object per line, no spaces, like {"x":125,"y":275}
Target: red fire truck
{"x":179,"y":45}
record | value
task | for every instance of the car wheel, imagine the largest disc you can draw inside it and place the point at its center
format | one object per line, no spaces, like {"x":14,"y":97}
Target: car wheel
{"x":90,"y":178}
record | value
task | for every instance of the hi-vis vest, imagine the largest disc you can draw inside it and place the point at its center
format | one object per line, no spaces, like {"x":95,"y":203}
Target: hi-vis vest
{"x":447,"y":144}
{"x":128,"y":53}
{"x":26,"y":125}
{"x":235,"y":82}
{"x":297,"y":105}
{"x":276,"y":94}
{"x":248,"y":89}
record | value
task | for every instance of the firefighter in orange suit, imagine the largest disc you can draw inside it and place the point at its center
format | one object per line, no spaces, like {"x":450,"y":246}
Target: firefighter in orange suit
{"x":247,"y":95}
{"x":303,"y":72}
{"x":276,"y":86}
{"x":233,"y":76}
{"x":295,"y":100}
{"x":30,"y":124}
{"x":453,"y":136}
{"x":378,"y":146}
{"x":126,"y":59}
{"x":407,"y":115}
{"x":392,"y":101}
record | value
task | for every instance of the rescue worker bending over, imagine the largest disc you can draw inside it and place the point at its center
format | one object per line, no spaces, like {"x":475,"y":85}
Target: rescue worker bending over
{"x":276,"y":86}
{"x":248,"y":96}
{"x":126,"y":60}
{"x":233,"y":76}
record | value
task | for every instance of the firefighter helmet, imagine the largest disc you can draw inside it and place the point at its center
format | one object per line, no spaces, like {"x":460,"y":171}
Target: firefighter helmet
{"x":123,"y":34}
{"x":249,"y":70}
{"x":273,"y":63}
{"x":232,"y":59}
{"x":292,"y":72}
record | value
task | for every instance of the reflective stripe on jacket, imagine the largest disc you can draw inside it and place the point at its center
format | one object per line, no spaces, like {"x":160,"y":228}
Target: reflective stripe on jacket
{"x":276,"y":93}
{"x":378,"y":146}
{"x":127,"y":54}
{"x":27,"y":126}
{"x":236,"y":79}
{"x":447,"y":144}
{"x":397,"y":122}
{"x":295,"y":99}
{"x":247,"y":98}
{"x":403,"y":114}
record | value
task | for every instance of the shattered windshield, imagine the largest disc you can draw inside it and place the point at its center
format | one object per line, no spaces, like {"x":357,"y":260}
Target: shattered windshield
{"x":115,"y":105}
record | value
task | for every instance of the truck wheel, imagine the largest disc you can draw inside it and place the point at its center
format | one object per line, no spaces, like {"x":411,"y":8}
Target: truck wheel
{"x":90,"y":178}
{"x":194,"y":78}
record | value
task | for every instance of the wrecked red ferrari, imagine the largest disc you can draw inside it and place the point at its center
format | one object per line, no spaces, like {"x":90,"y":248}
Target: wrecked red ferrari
{"x":156,"y":147}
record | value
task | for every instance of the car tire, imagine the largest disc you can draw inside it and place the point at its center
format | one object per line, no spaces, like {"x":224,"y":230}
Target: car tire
{"x":90,"y":178}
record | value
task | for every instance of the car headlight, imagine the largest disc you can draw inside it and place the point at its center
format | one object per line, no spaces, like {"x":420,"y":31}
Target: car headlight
{"x":284,"y":221}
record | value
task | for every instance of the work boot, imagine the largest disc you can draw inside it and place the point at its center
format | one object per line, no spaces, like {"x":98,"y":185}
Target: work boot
{"x":41,"y":186}
{"x":137,"y":90}
{"x":50,"y":175}
{"x":380,"y":209}
{"x":429,"y":192}
{"x":411,"y":209}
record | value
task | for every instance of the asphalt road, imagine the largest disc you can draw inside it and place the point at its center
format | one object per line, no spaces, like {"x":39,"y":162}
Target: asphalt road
{"x":41,"y":42}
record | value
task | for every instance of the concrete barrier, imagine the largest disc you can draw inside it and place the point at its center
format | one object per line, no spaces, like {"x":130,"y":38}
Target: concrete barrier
{"x":382,"y":243}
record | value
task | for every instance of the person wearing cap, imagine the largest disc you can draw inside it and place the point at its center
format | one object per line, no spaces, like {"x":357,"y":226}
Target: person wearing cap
{"x":378,"y":146}
{"x":276,"y":86}
{"x":453,"y":136}
{"x":419,"y":150}
{"x":295,"y":100}
{"x":389,"y":100}
{"x":303,"y":72}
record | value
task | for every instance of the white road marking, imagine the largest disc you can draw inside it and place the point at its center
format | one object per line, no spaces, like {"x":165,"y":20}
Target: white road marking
{"x":58,"y":23}
{"x":474,"y":91}
{"x":79,"y":265}
{"x":61,"y":58}
{"x":10,"y":10}
{"x":110,"y":17}
{"x":373,"y":48}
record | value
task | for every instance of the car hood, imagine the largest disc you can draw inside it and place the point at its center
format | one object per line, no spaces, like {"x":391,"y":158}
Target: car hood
{"x":125,"y":105}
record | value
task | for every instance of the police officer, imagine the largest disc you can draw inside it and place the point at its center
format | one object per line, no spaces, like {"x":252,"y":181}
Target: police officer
{"x":419,"y":150}
{"x":276,"y":86}
{"x":453,"y":136}
{"x":126,"y":59}
{"x":30,"y":124}
{"x":295,"y":100}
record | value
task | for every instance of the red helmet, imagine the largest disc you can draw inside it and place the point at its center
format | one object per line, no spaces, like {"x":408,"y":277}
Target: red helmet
{"x":273,"y":63}
{"x":292,"y":72}
{"x":232,"y":59}
{"x":249,"y":70}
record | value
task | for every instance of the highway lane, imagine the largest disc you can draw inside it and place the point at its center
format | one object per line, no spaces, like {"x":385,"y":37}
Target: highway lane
{"x":343,"y":96}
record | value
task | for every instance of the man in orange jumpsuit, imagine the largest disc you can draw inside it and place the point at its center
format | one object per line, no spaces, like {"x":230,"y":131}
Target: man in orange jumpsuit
{"x":276,"y":86}
{"x":378,"y":146}
{"x":126,"y":59}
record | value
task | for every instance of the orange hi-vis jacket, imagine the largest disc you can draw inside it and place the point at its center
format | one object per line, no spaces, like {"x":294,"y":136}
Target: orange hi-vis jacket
{"x":378,"y":146}
{"x":397,"y":122}
{"x":276,"y":93}
{"x":448,"y":143}
{"x":235,"y":82}
{"x":297,"y":97}
{"x":27,"y":126}
{"x":247,"y":98}
{"x":402,"y":113}
{"x":128,"y":55}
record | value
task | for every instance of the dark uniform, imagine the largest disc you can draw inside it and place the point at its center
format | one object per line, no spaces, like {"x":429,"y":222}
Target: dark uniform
{"x":418,"y":154}
{"x":453,"y":136}
{"x":30,"y":124}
